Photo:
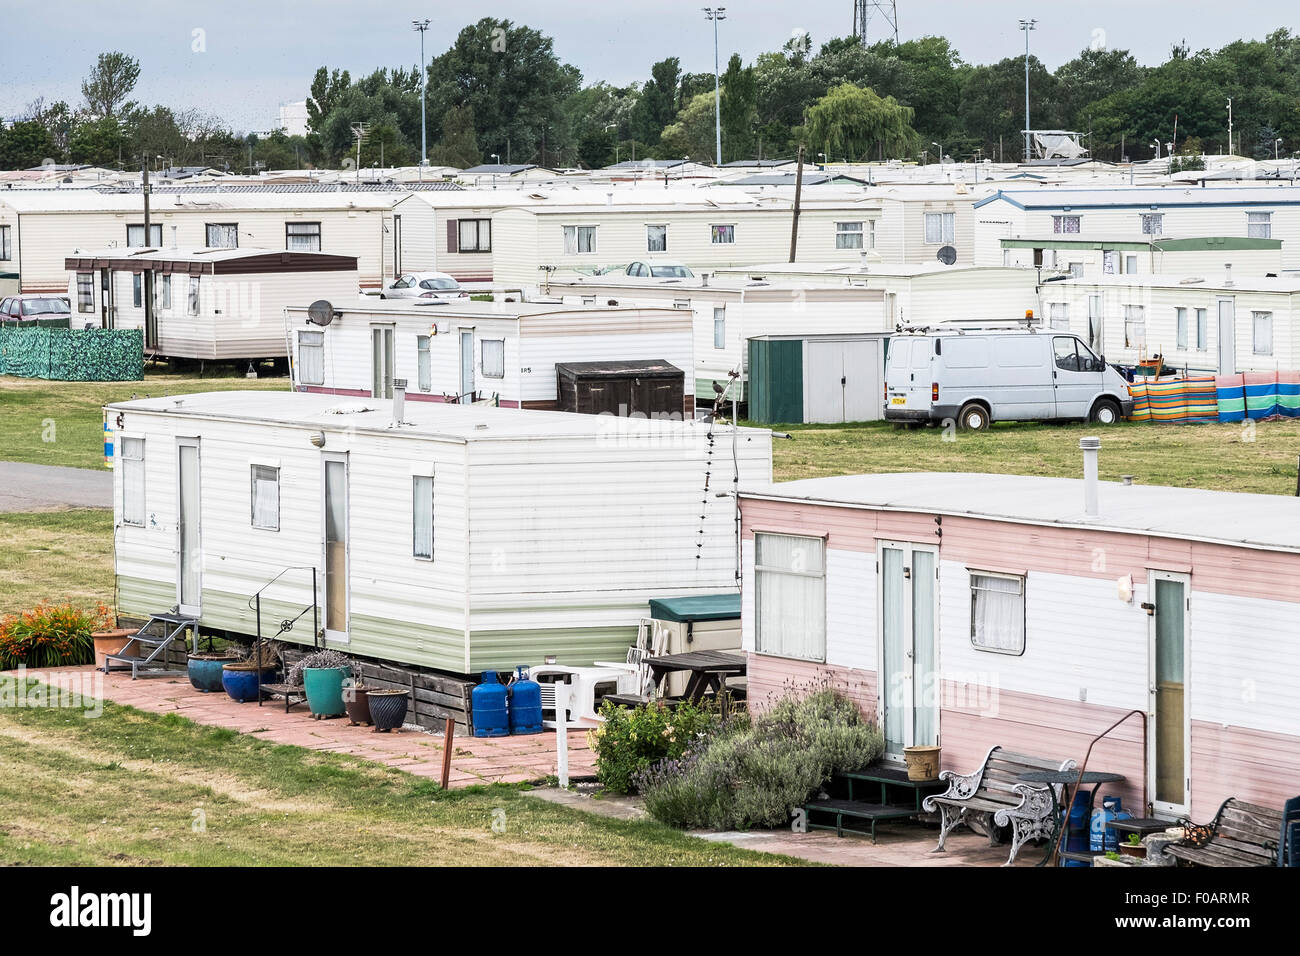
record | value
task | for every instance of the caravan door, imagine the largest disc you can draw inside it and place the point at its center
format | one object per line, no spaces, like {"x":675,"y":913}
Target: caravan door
{"x":908,"y":697}
{"x":1227,"y":329}
{"x":335,"y":532}
{"x":189,"y":581}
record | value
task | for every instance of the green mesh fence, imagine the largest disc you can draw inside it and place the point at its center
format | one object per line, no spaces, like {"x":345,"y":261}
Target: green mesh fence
{"x":73,"y":355}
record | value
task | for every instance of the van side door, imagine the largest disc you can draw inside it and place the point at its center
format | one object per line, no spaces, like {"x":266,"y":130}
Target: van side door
{"x":1021,"y":378}
{"x":1077,"y":375}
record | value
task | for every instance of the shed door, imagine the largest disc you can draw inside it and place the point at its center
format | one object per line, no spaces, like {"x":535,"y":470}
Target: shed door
{"x":862,"y":386}
{"x":824,"y":381}
{"x":1227,"y":337}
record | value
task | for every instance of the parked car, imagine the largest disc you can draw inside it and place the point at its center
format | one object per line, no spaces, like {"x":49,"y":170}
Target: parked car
{"x":977,"y":376}
{"x":31,"y":306}
{"x":424,"y":285}
{"x":650,"y":270}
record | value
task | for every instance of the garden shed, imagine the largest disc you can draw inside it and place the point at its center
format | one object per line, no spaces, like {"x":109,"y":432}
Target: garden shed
{"x":824,"y":379}
{"x":652,"y":387}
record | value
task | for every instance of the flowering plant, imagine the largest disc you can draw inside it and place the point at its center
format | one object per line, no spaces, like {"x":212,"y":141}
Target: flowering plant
{"x":51,"y":635}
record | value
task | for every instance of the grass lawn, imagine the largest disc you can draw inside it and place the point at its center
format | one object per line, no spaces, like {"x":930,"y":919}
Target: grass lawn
{"x":60,"y":423}
{"x":56,"y":556}
{"x":130,"y":788}
{"x":1228,"y":457}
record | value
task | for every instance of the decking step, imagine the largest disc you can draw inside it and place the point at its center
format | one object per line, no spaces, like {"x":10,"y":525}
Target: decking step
{"x":862,"y":809}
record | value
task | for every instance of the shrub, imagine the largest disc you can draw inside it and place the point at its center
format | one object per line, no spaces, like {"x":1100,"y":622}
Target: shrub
{"x":632,"y":739}
{"x":755,"y":773}
{"x":325,"y":658}
{"x":51,"y":635}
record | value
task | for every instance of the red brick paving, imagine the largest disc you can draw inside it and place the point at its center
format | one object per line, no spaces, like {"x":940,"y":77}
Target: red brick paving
{"x":475,"y":760}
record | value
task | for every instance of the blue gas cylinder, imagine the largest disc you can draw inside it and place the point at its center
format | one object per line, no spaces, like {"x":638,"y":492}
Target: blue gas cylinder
{"x":1076,"y":834}
{"x":488,"y":703}
{"x":525,"y":703}
{"x":1101,"y":839}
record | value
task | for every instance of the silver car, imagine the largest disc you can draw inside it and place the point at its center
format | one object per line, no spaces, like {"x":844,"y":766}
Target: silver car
{"x":424,"y":285}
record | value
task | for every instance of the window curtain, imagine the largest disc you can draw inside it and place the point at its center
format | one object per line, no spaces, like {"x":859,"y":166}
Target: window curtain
{"x":133,"y":481}
{"x":311,"y":358}
{"x":266,"y":497}
{"x":494,"y":358}
{"x":423,"y":361}
{"x":422,"y":516}
{"x":997,"y":613}
{"x":790,"y":596}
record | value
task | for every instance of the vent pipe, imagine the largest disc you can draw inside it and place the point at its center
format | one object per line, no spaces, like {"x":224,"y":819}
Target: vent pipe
{"x":399,"y":400}
{"x":1090,"y":446}
{"x":1227,"y":279}
{"x":173,"y":237}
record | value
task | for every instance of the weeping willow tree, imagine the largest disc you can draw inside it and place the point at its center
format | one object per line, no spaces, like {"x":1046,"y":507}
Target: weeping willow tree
{"x":855,"y":123}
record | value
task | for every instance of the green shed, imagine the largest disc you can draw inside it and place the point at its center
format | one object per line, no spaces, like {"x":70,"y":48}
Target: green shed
{"x":817,"y":378}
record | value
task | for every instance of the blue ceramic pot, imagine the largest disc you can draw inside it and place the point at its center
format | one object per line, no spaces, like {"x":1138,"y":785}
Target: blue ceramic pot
{"x":387,"y":709}
{"x":205,"y":672}
{"x":241,"y":685}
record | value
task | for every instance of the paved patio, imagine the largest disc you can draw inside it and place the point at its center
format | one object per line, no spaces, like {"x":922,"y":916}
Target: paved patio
{"x":475,"y":760}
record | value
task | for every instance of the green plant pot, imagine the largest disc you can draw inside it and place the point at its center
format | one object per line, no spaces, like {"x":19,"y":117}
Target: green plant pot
{"x":324,"y":689}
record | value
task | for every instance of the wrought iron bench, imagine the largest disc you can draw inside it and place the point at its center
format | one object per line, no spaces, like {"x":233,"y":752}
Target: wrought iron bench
{"x":1242,"y":834}
{"x":994,"y":796}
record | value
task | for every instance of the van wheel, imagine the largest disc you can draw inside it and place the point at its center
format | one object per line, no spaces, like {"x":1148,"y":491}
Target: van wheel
{"x":973,"y":418}
{"x":1105,"y":412}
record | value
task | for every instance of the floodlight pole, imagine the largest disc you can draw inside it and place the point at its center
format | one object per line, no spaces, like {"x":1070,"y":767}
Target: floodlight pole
{"x":421,"y":26}
{"x":1027,"y":25}
{"x":715,"y":14}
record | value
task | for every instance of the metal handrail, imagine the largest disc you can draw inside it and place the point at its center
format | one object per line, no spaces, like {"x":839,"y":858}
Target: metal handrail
{"x":255,"y":605}
{"x":1068,"y":799}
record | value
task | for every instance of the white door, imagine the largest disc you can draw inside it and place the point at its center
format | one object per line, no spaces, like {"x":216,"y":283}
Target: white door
{"x":1169,"y":730}
{"x":335,"y":533}
{"x":861,"y":381}
{"x":908,"y":695}
{"x":381,"y":350}
{"x":824,"y":382}
{"x":1227,"y":337}
{"x":466,"y":366}
{"x":189,"y":581}
{"x":1094,"y":324}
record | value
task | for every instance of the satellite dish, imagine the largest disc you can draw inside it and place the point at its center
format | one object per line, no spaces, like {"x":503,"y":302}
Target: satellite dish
{"x":947,"y":255}
{"x":320,"y":312}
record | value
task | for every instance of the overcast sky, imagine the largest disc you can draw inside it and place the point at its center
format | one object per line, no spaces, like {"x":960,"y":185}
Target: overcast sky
{"x":253,"y":55}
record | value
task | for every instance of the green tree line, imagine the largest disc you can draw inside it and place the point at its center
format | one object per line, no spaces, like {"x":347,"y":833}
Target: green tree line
{"x":500,"y":93}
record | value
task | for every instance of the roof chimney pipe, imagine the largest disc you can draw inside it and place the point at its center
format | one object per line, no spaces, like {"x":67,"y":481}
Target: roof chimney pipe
{"x":1090,"y":446}
{"x":399,"y":400}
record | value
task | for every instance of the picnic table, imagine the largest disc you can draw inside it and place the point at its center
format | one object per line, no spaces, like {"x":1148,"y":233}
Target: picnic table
{"x":709,"y":670}
{"x":1066,"y":779}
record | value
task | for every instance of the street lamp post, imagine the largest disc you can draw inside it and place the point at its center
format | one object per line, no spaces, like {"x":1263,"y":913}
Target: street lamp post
{"x":421,"y":26}
{"x":1276,"y":143}
{"x":614,"y":127}
{"x":1027,"y":25}
{"x":940,"y":148}
{"x":715,"y":14}
{"x":496,"y":161}
{"x":1229,"y":125}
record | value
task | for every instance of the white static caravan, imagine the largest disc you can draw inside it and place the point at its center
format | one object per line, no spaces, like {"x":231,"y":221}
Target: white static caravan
{"x":1249,"y":211}
{"x":916,"y":222}
{"x":209,"y":304}
{"x":914,"y":294}
{"x":501,"y":351}
{"x":705,"y":229}
{"x":458,"y":538}
{"x":1141,"y":255}
{"x":1211,"y":322}
{"x":972,"y":611}
{"x":47,"y":226}
{"x":729,"y":311}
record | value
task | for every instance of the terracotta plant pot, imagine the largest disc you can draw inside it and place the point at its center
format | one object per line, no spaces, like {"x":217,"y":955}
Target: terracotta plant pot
{"x":112,"y":642}
{"x":922,"y":762}
{"x":357,"y":701}
{"x":387,"y":709}
{"x":1137,"y":850}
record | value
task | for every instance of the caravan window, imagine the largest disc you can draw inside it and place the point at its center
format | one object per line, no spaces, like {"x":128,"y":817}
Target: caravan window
{"x":1135,"y":326}
{"x":85,"y":292}
{"x":720,"y":327}
{"x":474,"y":235}
{"x":302,"y":236}
{"x":1180,"y":328}
{"x":422,"y":517}
{"x":135,"y":236}
{"x":137,"y":290}
{"x":265,"y":497}
{"x":193,"y":305}
{"x":311,"y":357}
{"x":790,"y":596}
{"x":1153,"y":223}
{"x":1065,"y":225}
{"x":494,"y":358}
{"x":222,"y":235}
{"x":722,"y":235}
{"x":1259,"y":225}
{"x":656,"y":238}
{"x":1263,"y":332}
{"x":1200,"y":329}
{"x":848,"y":235}
{"x":6,"y":244}
{"x":940,"y":227}
{"x":997,"y":612}
{"x":162,"y":292}
{"x":579,"y":240}
{"x":1059,"y":315}
{"x":130,"y":454}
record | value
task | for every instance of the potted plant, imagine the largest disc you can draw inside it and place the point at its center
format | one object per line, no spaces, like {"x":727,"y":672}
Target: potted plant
{"x":387,"y":709}
{"x":356,"y":700}
{"x":922,"y":762}
{"x":1134,"y":847}
{"x":241,"y":678}
{"x":321,"y":675}
{"x":205,"y":670}
{"x":109,"y":639}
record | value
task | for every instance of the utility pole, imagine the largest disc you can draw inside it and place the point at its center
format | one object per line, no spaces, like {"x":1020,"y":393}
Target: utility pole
{"x":798,"y":191}
{"x":421,"y":26}
{"x":1229,"y":125}
{"x":715,"y":14}
{"x":150,"y":317}
{"x":1027,"y":25}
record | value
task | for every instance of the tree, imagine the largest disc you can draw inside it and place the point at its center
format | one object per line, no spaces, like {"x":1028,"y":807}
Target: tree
{"x":111,"y":81}
{"x":100,"y":142}
{"x":658,"y":103}
{"x":459,"y":145}
{"x":512,"y":81}
{"x":1091,"y":76}
{"x":691,"y":134}
{"x":993,"y":103}
{"x":739,"y":110}
{"x":25,"y":145}
{"x":855,"y":123}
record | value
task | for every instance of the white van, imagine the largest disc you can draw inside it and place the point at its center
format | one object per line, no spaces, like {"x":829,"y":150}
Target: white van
{"x":975,"y":377}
